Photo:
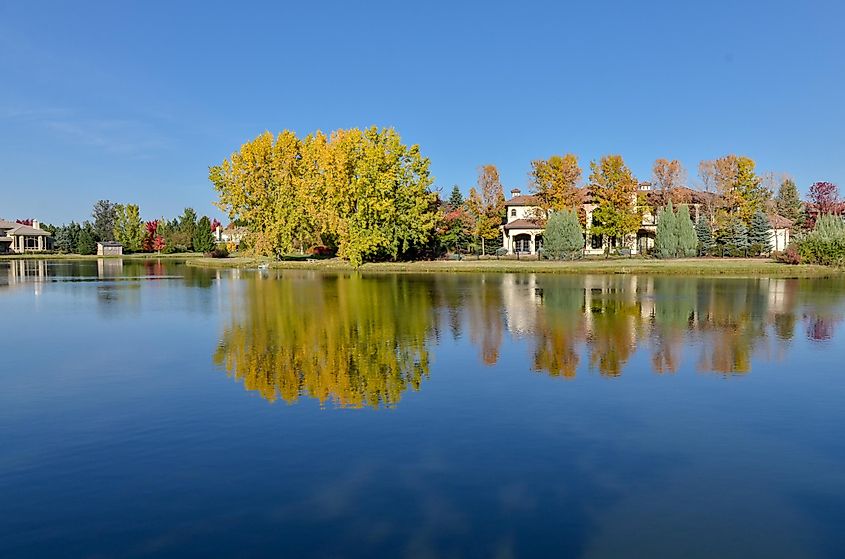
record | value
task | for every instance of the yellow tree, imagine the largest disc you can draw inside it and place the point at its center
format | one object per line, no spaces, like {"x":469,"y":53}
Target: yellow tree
{"x":667,"y":177}
{"x":555,"y":182}
{"x":739,"y":189}
{"x":615,"y":190}
{"x":486,"y":204}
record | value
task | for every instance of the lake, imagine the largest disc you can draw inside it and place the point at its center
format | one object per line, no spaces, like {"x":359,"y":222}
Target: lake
{"x":148,"y":408}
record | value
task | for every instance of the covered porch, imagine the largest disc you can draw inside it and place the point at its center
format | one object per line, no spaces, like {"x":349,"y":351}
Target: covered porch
{"x":522,"y":236}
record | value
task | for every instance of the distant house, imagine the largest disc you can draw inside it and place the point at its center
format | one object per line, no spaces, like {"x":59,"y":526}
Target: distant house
{"x":109,"y":248}
{"x":20,"y":238}
{"x":231,"y":234}
{"x":522,"y":233}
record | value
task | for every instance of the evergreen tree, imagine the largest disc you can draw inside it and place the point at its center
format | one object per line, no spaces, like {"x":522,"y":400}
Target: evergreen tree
{"x":456,"y":199}
{"x":704,"y":232}
{"x":788,"y":201}
{"x":687,"y":240}
{"x":187,"y":229}
{"x":87,"y":243}
{"x":666,"y":237}
{"x":736,"y":238}
{"x":759,"y":234}
{"x":563,"y":236}
{"x":203,"y":240}
{"x":66,"y":237}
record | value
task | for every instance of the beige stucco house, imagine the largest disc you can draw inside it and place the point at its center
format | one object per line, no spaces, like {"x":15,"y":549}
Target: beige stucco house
{"x":522,"y":232}
{"x":19,"y":238}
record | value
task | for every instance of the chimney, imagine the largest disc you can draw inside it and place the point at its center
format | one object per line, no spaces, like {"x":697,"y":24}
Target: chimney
{"x":36,"y":224}
{"x":515,"y":192}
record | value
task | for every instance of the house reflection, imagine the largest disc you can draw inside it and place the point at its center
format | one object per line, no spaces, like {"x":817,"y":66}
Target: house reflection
{"x":361,"y":340}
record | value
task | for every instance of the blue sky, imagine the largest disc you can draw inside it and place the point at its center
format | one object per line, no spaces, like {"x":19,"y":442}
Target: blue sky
{"x":132,"y":101}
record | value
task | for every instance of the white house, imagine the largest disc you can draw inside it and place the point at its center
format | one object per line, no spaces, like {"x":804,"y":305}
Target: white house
{"x":19,"y":238}
{"x":522,"y":233}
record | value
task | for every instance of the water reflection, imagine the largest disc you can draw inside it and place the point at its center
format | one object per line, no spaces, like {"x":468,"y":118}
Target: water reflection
{"x":363,"y":340}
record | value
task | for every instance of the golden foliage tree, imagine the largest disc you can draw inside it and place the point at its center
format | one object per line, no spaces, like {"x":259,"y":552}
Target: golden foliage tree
{"x":614,"y":188}
{"x":667,"y":177}
{"x":486,"y":204}
{"x":555,"y":182}
{"x":364,"y":191}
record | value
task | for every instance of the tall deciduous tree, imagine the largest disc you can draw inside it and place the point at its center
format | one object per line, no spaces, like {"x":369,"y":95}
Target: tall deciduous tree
{"x":128,"y":228}
{"x":486,"y":204}
{"x":788,"y":201}
{"x":825,"y":197}
{"x":105,"y":215}
{"x":555,"y":182}
{"x":667,"y":176}
{"x":615,"y":191}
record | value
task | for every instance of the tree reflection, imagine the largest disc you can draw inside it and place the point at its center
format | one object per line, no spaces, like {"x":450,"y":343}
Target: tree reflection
{"x":351,"y":340}
{"x":358,"y":340}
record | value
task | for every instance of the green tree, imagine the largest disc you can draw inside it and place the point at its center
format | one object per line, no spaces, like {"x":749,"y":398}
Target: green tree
{"x":87,"y":243}
{"x":615,"y":190}
{"x":788,"y":201}
{"x":736,"y":237}
{"x":186,"y":229}
{"x":759,"y":234}
{"x":105,"y":216}
{"x":203,"y":237}
{"x":666,"y":237}
{"x":704,"y":233}
{"x":563,"y":236}
{"x":456,"y":199}
{"x":687,"y":240}
{"x":128,"y":228}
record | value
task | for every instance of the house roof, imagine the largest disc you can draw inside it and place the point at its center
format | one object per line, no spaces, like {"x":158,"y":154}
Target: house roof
{"x":522,"y":200}
{"x":780,"y":222}
{"x":25,"y":230}
{"x":523,"y":224}
{"x":109,"y":243}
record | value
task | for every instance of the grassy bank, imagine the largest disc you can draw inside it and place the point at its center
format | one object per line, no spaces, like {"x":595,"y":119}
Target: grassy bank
{"x":137,"y":256}
{"x":737,"y":267}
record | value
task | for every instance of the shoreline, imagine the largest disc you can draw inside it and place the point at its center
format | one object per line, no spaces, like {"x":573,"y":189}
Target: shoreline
{"x":715,"y":267}
{"x":134,"y":256}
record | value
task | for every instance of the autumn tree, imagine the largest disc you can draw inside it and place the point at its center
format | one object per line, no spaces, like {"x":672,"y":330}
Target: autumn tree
{"x":739,"y":189}
{"x":486,"y":205}
{"x":825,"y":197}
{"x":554,"y":182}
{"x":667,"y":176}
{"x":615,"y":191}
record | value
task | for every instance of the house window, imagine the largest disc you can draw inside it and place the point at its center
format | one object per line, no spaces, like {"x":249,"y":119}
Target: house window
{"x":596,"y":241}
{"x":30,"y":242}
{"x":513,"y":212}
{"x":522,"y":243}
{"x":538,"y":242}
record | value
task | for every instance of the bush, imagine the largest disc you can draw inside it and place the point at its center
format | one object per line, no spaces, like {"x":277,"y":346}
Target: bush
{"x":788,"y":256}
{"x":320,"y":251}
{"x":220,"y":251}
{"x":501,"y":251}
{"x":563,"y":236}
{"x":825,"y":244}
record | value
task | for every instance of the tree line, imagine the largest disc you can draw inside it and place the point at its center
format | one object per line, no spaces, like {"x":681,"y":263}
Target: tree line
{"x":122,"y":223}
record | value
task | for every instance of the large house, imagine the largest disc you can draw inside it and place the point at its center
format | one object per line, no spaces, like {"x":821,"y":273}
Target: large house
{"x":523,"y":231}
{"x":20,"y":238}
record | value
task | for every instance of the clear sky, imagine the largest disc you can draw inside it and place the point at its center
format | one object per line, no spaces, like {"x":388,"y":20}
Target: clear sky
{"x":132,"y":101}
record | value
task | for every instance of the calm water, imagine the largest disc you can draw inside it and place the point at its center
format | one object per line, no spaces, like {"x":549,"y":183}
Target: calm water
{"x":153,"y":409}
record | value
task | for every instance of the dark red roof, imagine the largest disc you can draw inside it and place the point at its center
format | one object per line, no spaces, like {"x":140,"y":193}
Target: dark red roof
{"x":523,"y":224}
{"x":522,"y":200}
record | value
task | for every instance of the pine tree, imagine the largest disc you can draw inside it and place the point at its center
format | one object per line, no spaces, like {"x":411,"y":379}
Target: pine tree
{"x":203,"y":240}
{"x":666,"y":237}
{"x":737,"y":237}
{"x":704,"y":232}
{"x":788,"y":201}
{"x":87,"y":243}
{"x":687,"y":240}
{"x":759,"y":234}
{"x":456,"y":199}
{"x":563,"y":236}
